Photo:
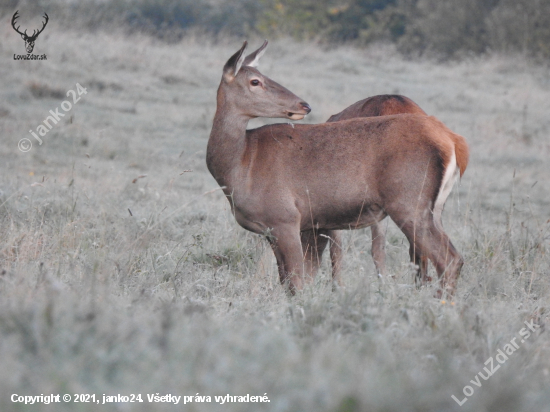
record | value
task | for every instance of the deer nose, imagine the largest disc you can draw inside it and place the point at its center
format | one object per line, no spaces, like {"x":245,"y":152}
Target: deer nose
{"x":306,"y":107}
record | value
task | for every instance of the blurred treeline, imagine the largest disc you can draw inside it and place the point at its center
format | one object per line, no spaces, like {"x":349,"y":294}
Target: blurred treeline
{"x":444,"y":28}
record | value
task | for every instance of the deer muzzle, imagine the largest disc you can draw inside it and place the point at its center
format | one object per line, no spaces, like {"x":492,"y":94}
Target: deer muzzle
{"x":299,"y":115}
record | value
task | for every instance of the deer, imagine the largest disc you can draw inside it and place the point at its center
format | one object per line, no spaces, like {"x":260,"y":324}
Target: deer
{"x":29,"y":40}
{"x":383,"y":105}
{"x":294,"y":183}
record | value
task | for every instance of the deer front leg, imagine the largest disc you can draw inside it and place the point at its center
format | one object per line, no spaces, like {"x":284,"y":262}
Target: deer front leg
{"x":428,"y":241}
{"x":287,"y":247}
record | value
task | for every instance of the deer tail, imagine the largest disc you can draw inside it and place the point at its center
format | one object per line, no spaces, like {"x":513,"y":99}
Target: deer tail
{"x":462,"y":152}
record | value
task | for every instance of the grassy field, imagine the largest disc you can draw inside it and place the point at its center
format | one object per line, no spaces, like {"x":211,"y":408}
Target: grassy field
{"x":123,"y":271}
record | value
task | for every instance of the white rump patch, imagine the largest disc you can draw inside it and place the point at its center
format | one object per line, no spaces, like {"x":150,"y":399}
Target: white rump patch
{"x":449,"y":178}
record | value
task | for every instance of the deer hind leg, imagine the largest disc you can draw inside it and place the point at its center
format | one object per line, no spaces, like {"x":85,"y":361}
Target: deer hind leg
{"x":379,"y":248}
{"x":287,"y":247}
{"x":421,"y":277}
{"x":429,"y":241}
{"x":448,"y":267}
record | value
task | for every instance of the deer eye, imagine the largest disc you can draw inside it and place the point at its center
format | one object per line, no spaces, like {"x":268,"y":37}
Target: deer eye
{"x":255,"y":82}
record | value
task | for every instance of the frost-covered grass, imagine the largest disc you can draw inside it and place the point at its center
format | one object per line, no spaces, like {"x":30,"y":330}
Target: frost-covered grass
{"x":123,"y":271}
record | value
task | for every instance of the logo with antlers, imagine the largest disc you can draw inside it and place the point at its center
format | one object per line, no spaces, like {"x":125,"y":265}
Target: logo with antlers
{"x":29,"y":40}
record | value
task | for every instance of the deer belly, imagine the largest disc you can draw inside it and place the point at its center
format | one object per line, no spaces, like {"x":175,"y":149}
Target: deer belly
{"x":334,"y":218}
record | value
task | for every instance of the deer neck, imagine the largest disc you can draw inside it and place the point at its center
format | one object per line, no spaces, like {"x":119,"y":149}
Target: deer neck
{"x":227,"y":142}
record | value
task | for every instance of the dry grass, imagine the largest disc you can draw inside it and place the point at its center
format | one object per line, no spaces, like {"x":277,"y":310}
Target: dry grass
{"x":175,"y":297}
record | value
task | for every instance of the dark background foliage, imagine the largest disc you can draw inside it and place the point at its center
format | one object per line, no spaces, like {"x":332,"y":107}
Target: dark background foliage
{"x":446,"y":29}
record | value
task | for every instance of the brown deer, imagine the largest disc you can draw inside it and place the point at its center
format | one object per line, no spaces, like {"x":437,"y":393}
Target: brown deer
{"x":294,"y":182}
{"x":384,"y":105}
{"x":29,"y":40}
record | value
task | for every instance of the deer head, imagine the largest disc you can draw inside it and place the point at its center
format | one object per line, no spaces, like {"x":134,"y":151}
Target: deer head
{"x":254,"y":95}
{"x":29,"y":40}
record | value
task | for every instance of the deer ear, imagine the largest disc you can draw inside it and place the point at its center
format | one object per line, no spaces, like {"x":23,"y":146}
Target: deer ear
{"x":253,"y":58}
{"x":234,"y":64}
{"x":23,"y":36}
